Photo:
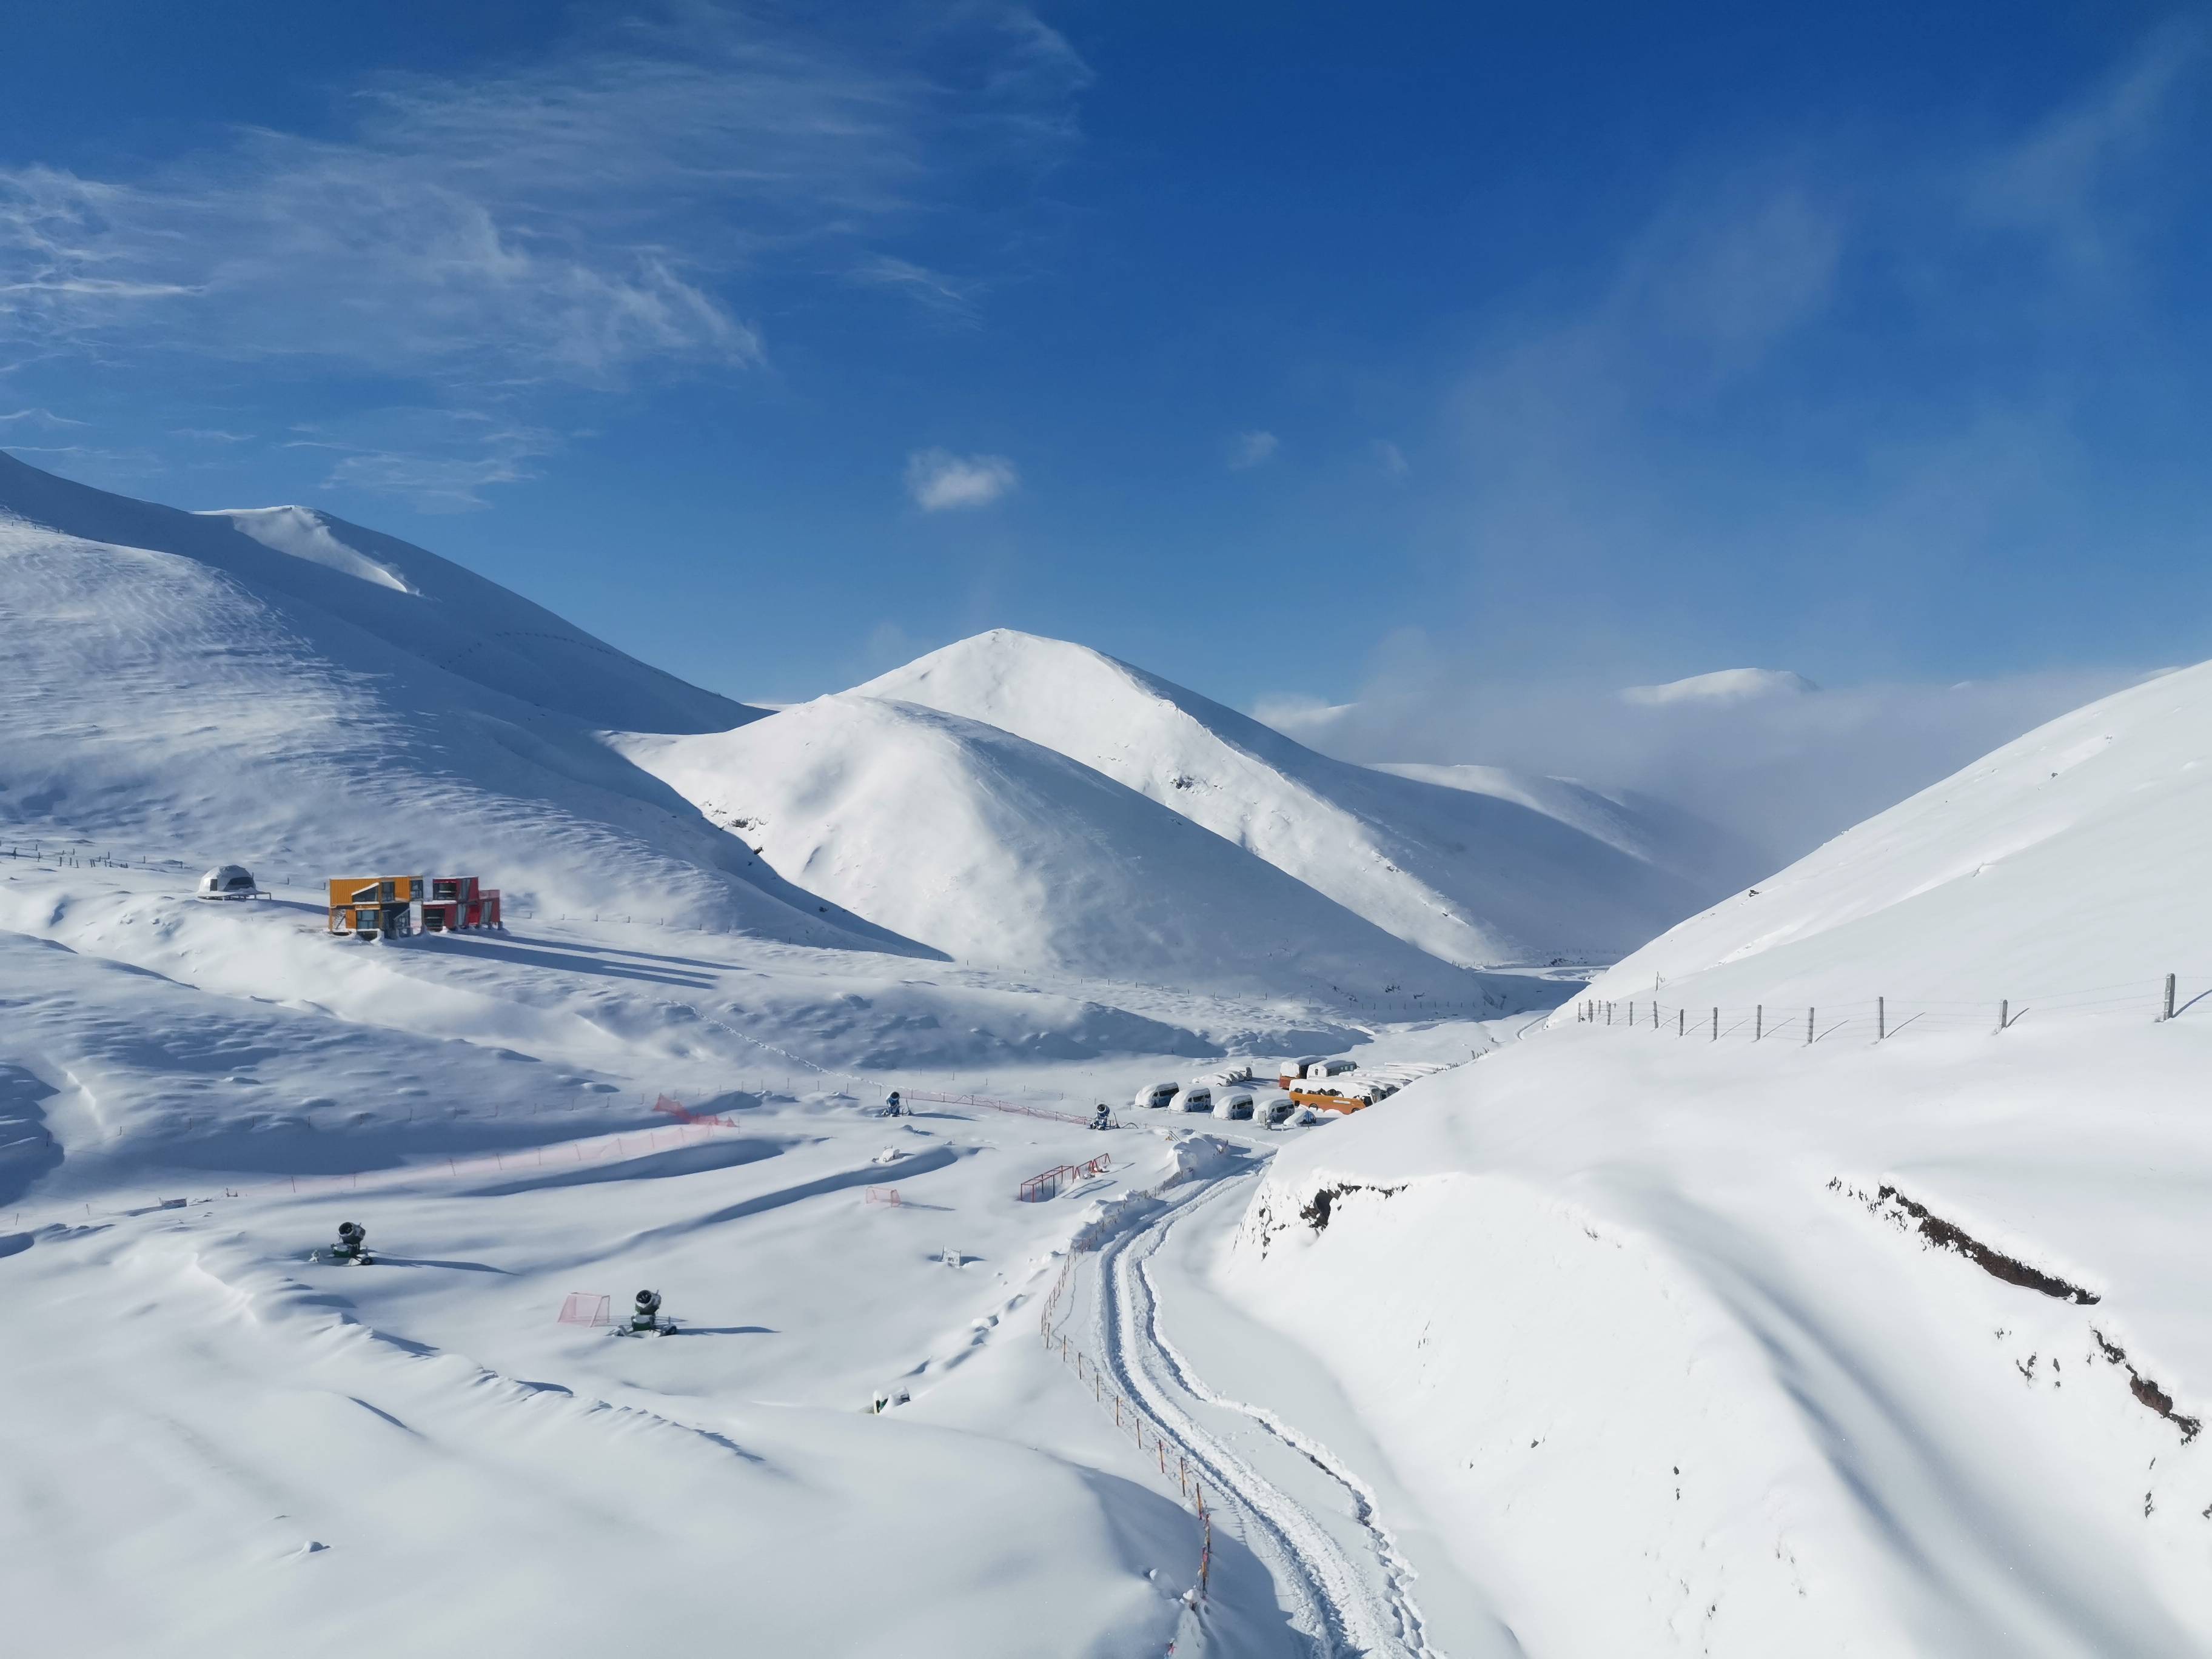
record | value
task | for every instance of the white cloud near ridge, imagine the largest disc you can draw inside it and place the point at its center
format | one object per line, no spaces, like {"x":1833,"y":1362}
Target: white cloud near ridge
{"x":1785,"y":765}
{"x":939,"y":480}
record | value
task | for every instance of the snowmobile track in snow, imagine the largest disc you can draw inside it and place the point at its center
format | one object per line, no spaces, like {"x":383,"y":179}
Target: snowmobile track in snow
{"x":1342,"y":1606}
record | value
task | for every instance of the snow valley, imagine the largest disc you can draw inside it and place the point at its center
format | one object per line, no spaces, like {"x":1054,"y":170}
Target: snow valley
{"x":1651,"y":1254}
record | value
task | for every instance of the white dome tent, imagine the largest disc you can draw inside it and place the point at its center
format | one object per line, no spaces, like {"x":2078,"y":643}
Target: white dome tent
{"x":229,"y":881}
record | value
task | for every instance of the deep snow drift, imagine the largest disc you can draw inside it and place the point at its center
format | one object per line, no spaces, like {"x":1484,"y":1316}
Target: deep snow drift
{"x":1893,"y":1341}
{"x":1479,"y":871}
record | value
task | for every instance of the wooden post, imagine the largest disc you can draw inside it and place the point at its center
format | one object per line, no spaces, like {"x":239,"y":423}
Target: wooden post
{"x":1758,"y":1022}
{"x":2169,"y":997}
{"x":2004,"y":1010}
{"x":1608,"y":1013}
{"x":1880,"y":1018}
{"x":1681,"y":1021}
{"x":1809,"y":1028}
{"x":1716,"y":1025}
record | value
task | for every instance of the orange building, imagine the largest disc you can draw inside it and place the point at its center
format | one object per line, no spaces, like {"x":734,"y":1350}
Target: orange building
{"x":374,"y":906}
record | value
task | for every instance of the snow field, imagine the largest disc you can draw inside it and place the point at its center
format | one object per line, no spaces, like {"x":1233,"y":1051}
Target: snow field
{"x":1627,"y":1313}
{"x":481,"y":1477}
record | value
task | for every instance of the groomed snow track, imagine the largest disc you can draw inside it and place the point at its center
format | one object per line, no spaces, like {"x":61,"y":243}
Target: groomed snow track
{"x":1342,"y":1602}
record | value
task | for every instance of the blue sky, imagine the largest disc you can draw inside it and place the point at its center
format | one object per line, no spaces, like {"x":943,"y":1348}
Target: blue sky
{"x":1287,"y":351}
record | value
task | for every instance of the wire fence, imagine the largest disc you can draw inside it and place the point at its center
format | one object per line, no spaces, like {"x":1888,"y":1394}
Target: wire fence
{"x":1128,"y":1418}
{"x":1879,"y":1018}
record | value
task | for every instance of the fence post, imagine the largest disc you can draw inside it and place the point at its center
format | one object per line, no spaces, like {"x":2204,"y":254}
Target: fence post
{"x":1758,"y":1022}
{"x":1608,"y":1013}
{"x":1681,"y":1021}
{"x":1809,"y":1028}
{"x":1655,"y":1015}
{"x":1880,"y":1018}
{"x":2004,"y":1014}
{"x":1716,"y":1025}
{"x":2169,"y":997}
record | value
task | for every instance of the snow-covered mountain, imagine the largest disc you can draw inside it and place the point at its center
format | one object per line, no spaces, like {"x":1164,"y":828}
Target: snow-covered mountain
{"x":285,"y":689}
{"x":1484,"y":869}
{"x":2071,"y":859}
{"x":1752,"y":1315}
{"x":999,"y":850}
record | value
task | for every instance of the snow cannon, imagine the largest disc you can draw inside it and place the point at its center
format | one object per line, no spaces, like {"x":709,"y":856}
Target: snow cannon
{"x":645,"y":1318}
{"x":352,"y":1245}
{"x":892,"y":1107}
{"x":1101,"y":1119}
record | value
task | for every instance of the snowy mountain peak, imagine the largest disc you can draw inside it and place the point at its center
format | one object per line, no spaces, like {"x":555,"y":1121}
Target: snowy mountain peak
{"x":1477,"y":876}
{"x":1726,"y":685}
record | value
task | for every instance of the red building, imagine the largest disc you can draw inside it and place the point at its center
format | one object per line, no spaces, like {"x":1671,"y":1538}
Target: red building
{"x":454,"y":902}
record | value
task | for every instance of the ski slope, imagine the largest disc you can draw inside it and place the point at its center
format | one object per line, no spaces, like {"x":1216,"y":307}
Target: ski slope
{"x":1478,"y":871}
{"x":1870,"y":1344}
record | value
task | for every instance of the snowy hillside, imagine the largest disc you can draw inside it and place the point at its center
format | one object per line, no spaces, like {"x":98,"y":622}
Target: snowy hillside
{"x":2067,"y":865}
{"x":310,"y":696}
{"x":1471,"y":875}
{"x":997,"y":851}
{"x":1649,"y":830}
{"x":1732,"y":1313}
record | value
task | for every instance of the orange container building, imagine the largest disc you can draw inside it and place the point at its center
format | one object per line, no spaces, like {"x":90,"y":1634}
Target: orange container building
{"x":374,"y":906}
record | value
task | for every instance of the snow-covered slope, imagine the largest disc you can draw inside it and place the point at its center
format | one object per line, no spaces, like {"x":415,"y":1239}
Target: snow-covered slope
{"x":338,"y":700}
{"x":1717,"y":1334}
{"x":2070,"y":862}
{"x":997,"y":851}
{"x":1472,"y":876}
{"x":1650,"y":831}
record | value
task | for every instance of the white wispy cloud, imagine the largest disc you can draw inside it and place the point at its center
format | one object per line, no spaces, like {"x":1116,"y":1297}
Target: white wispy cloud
{"x":437,"y":460}
{"x":938,"y":479}
{"x":569,"y":220}
{"x":1391,"y":458}
{"x":40,"y":417}
{"x":1250,"y":449}
{"x":949,"y":297}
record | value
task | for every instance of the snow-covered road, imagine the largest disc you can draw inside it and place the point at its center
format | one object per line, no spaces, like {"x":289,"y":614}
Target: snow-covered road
{"x":1302,"y":1515}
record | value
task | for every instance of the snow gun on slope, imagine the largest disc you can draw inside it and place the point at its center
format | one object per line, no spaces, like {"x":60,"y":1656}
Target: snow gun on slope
{"x":645,"y":1318}
{"x":352,"y":1247}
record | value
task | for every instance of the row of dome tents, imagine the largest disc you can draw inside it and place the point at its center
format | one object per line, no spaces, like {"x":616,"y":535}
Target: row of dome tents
{"x":1293,"y":1072}
{"x":1317,"y":1083}
{"x":1226,"y":1095}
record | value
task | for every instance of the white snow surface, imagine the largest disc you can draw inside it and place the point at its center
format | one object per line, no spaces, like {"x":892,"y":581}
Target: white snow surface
{"x":179,"y":688}
{"x":2065,"y":866}
{"x":996,"y":850}
{"x":1476,"y":876}
{"x":1893,"y":1341}
{"x":216,"y":1447}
